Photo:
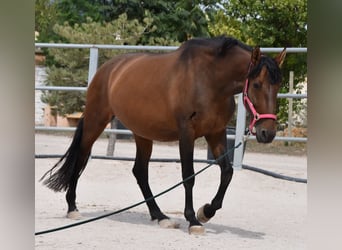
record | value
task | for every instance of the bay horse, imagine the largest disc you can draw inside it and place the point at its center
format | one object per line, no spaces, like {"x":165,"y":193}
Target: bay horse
{"x":175,"y":96}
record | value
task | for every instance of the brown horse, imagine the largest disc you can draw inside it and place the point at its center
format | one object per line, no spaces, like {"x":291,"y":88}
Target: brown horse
{"x":180,"y":95}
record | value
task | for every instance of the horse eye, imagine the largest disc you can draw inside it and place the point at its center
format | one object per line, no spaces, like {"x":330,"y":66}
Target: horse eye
{"x":256,"y":85}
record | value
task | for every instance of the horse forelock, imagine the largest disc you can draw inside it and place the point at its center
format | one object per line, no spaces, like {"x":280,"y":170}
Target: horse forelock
{"x":272,"y":67}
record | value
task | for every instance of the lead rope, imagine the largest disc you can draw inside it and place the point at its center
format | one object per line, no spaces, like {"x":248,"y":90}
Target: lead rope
{"x":141,"y":202}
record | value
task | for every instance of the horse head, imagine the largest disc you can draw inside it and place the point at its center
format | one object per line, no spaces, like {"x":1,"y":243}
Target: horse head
{"x":260,"y":94}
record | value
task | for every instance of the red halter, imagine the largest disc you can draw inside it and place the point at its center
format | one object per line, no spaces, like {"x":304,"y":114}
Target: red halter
{"x":248,"y":103}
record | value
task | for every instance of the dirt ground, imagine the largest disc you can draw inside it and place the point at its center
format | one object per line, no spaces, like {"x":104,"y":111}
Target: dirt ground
{"x":259,"y":212}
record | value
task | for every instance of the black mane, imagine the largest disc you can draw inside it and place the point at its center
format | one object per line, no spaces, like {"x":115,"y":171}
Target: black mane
{"x":272,"y":67}
{"x":218,"y":45}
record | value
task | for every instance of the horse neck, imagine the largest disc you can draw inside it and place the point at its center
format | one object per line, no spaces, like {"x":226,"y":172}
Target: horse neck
{"x":231,"y":73}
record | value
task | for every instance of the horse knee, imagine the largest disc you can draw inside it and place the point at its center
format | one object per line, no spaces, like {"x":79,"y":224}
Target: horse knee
{"x":227,"y":170}
{"x":136,"y":173}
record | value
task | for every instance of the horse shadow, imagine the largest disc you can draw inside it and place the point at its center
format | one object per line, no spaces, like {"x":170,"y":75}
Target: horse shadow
{"x":140,"y":218}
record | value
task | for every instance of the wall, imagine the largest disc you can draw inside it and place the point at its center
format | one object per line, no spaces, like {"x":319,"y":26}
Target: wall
{"x":40,"y":76}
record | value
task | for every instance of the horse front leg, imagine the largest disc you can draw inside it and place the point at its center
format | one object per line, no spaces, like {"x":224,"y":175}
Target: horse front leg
{"x":140,"y":171}
{"x":186,"y":148}
{"x":218,"y":145}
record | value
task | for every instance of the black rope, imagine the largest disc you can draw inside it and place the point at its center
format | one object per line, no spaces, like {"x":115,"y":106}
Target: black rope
{"x":247,"y":167}
{"x":139,"y":203}
{"x":275,"y":175}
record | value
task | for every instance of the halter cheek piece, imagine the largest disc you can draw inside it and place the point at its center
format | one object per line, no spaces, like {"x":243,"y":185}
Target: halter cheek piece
{"x":248,"y":103}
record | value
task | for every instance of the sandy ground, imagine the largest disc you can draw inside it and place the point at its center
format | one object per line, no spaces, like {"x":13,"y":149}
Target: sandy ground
{"x":259,"y":212}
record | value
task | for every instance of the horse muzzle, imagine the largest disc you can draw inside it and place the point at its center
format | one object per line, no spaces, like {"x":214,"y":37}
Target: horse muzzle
{"x":264,"y":135}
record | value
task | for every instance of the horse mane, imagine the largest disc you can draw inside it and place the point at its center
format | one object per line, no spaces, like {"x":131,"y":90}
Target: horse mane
{"x":218,"y":46}
{"x":274,"y":72}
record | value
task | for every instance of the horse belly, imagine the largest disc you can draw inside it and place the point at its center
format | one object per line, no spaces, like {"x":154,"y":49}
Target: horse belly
{"x":149,"y":125}
{"x":145,"y":115}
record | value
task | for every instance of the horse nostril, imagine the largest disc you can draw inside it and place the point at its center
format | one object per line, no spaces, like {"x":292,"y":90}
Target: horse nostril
{"x":264,"y":134}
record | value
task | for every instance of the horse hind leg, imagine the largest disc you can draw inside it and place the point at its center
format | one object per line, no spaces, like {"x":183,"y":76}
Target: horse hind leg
{"x":93,"y":127}
{"x":140,"y":171}
{"x":64,"y":175}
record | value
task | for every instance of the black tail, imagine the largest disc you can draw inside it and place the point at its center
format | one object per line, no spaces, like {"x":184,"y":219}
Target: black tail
{"x":59,"y":179}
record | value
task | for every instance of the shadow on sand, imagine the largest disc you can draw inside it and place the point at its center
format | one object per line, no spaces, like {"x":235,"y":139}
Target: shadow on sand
{"x":139,"y":218}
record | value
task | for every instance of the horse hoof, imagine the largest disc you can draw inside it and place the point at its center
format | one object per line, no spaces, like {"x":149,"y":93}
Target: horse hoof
{"x":201,"y":216}
{"x":197,"y":230}
{"x":74,"y":215}
{"x":167,"y":223}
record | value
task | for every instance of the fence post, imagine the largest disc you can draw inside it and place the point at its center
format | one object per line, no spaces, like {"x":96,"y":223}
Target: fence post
{"x":290,"y":121}
{"x":112,"y":138}
{"x":240,"y":133}
{"x":93,"y":60}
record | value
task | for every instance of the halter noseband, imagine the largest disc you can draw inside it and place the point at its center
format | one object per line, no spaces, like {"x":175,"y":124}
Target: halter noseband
{"x":248,"y":103}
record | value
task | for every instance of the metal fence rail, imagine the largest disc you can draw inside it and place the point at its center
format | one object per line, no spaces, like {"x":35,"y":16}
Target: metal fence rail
{"x":93,"y":61}
{"x":145,"y":47}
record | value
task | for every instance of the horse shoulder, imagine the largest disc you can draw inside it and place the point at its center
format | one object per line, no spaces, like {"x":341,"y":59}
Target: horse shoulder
{"x":213,"y":117}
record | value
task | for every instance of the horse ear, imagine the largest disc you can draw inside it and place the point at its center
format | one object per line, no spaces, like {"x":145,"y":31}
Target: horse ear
{"x":256,"y":55}
{"x":280,"y":58}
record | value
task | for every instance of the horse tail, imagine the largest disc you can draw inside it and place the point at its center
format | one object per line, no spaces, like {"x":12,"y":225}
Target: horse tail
{"x":70,"y":168}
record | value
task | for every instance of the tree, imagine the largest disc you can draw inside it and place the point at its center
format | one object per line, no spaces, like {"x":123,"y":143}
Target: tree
{"x":176,"y":21}
{"x":77,"y":11}
{"x":71,"y":65}
{"x":45,"y":17}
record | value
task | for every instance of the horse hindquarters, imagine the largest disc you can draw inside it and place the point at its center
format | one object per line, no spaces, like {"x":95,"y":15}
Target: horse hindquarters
{"x":64,"y":175}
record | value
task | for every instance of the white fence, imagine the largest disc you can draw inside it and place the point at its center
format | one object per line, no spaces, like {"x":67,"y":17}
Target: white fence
{"x":93,"y":63}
